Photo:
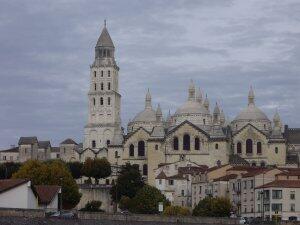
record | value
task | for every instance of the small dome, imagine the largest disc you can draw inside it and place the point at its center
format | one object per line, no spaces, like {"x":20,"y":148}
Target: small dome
{"x":191,"y":107}
{"x":251,"y":113}
{"x":147,"y":115}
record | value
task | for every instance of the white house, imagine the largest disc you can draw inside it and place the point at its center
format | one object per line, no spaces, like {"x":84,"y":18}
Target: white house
{"x":20,"y":193}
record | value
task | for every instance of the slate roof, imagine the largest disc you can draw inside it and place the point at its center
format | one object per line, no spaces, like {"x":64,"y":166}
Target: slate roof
{"x":7,"y":184}
{"x":161,"y":175}
{"x":226,"y":177}
{"x":292,"y":135}
{"x":282,"y":184}
{"x":105,"y":39}
{"x":13,"y":149}
{"x":44,"y":144}
{"x":237,"y":160}
{"x":46,"y":193}
{"x":68,"y":141}
{"x":192,"y":169}
{"x":27,"y":140}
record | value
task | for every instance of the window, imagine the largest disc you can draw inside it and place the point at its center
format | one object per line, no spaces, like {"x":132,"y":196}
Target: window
{"x":159,"y":181}
{"x":249,"y":146}
{"x":95,"y":73}
{"x":239,"y":148}
{"x":264,"y":126}
{"x":145,"y":170}
{"x":182,"y":192}
{"x":4,"y":157}
{"x":156,"y":147}
{"x":258,"y":208}
{"x":171,"y":182}
{"x":108,"y":73}
{"x":101,"y":73}
{"x":276,"y":207}
{"x":292,"y":207}
{"x":131,"y":150}
{"x":204,"y":121}
{"x":200,"y":189}
{"x":186,"y":142}
{"x":11,"y":158}
{"x":251,"y":184}
{"x":276,"y":150}
{"x":108,"y":101}
{"x":197,"y":143}
{"x":107,"y":142}
{"x":108,"y":86}
{"x":101,"y":101}
{"x":95,"y":87}
{"x":175,"y":143}
{"x":116,"y":154}
{"x":277,"y":194}
{"x":292,"y":195}
{"x":216,"y":146}
{"x":262,"y":164}
{"x":93,"y":144}
{"x":101,"y":86}
{"x":258,"y":148}
{"x":141,"y":148}
{"x":245,"y":184}
{"x":94,"y":101}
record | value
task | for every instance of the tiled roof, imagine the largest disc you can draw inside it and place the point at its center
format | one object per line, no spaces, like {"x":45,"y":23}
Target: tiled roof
{"x":226,"y":177}
{"x":13,"y":149}
{"x":282,"y":184}
{"x":7,"y":184}
{"x":237,"y":160}
{"x":27,"y":140}
{"x":161,"y":175}
{"x":192,"y":169}
{"x":215,"y":168}
{"x":244,"y":168}
{"x":68,"y":141}
{"x":44,"y":144}
{"x":256,"y":172}
{"x":178,"y":176}
{"x":291,"y":172}
{"x":46,"y":193}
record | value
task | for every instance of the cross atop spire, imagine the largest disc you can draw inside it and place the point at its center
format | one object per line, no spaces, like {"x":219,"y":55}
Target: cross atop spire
{"x":105,"y":23}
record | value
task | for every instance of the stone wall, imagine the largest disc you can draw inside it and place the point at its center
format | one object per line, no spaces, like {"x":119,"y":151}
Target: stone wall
{"x":28,"y":213}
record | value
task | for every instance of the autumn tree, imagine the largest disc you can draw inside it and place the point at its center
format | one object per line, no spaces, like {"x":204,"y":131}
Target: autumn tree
{"x":213,"y":207}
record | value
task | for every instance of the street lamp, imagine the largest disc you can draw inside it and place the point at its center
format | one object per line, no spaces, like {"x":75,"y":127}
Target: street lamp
{"x":60,"y":207}
{"x":116,"y":205}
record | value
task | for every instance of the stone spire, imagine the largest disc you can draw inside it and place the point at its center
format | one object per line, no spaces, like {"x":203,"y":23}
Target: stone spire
{"x":216,"y":114}
{"x":148,"y":103}
{"x":277,"y":120}
{"x":206,"y":102}
{"x":251,"y":96}
{"x":199,"y":96}
{"x":222,"y":117}
{"x":158,"y":114}
{"x":105,"y":40}
{"x":191,"y":91}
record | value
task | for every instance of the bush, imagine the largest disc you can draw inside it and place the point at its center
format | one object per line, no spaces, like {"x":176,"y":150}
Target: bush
{"x":176,"y":211}
{"x":93,"y":206}
{"x":124,"y":203}
{"x":213,"y":207}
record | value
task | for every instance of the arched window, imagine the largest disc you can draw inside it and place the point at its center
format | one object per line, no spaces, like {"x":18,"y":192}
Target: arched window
{"x":204,"y":121}
{"x":276,"y":150}
{"x":145,"y":170}
{"x":102,"y":86}
{"x":249,"y":146}
{"x":131,"y":150}
{"x":116,"y":154}
{"x":108,"y":101}
{"x":262,"y":164}
{"x":95,"y":73}
{"x":94,"y":101}
{"x":258,"y":148}
{"x":101,"y":73}
{"x":108,"y":85}
{"x":156,"y":147}
{"x":108,"y":142}
{"x":93,"y":144}
{"x":109,"y":73}
{"x":186,"y":142}
{"x":95,"y":87}
{"x":253,"y":164}
{"x":141,"y":148}
{"x":239,"y":148}
{"x":197,"y":143}
{"x":216,"y":146}
{"x":101,"y":101}
{"x":175,"y":143}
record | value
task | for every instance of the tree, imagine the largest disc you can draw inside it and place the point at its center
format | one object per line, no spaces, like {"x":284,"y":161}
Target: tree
{"x":147,"y":199}
{"x":8,"y":169}
{"x":176,"y":211}
{"x":100,"y":168}
{"x":52,"y":173}
{"x":213,"y":207}
{"x":87,"y":169}
{"x":124,"y":203}
{"x":75,"y":169}
{"x":128,"y":183}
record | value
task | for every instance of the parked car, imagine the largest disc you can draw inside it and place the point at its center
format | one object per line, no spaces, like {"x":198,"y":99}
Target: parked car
{"x":242,"y":220}
{"x":64,"y":215}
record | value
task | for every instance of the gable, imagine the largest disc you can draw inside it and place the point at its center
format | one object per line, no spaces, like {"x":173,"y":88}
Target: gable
{"x":187,"y":127}
{"x":139,"y":134}
{"x":250,"y":131}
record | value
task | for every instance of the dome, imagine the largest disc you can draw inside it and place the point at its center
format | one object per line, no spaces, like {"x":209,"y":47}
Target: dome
{"x":147,"y":115}
{"x":191,"y":107}
{"x":251,"y":113}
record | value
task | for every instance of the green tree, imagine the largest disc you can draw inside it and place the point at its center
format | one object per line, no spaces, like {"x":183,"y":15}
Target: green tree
{"x":213,"y":207}
{"x":75,"y":169}
{"x":146,"y":200}
{"x":176,"y":211}
{"x":124,"y":203}
{"x":8,"y":169}
{"x":52,"y":173}
{"x":87,"y":169}
{"x":100,"y":169}
{"x":93,"y":206}
{"x":128,"y":183}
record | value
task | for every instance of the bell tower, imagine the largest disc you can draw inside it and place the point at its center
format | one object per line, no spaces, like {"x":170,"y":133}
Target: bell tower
{"x":104,"y":101}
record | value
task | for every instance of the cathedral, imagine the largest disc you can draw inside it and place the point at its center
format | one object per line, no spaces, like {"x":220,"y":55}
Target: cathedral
{"x":193,"y":133}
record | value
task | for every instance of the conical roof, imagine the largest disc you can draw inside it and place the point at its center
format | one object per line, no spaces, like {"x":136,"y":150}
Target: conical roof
{"x":105,"y":39}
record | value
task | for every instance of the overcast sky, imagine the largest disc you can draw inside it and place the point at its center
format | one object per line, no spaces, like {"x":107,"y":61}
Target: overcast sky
{"x":225,"y":46}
